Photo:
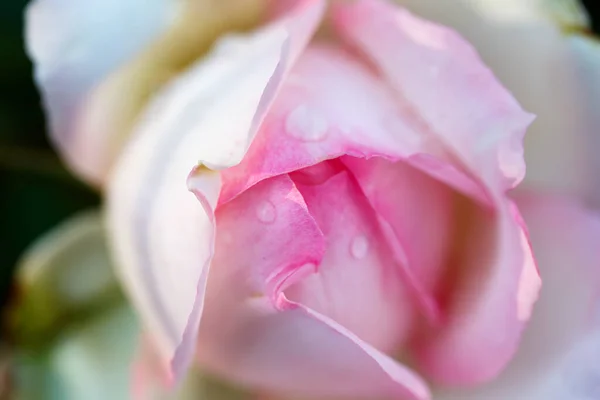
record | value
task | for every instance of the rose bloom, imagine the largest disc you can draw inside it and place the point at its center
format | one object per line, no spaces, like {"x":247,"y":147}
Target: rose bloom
{"x":322,"y":207}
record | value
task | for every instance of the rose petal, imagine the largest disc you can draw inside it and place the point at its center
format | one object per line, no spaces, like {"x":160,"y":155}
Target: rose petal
{"x":100,"y":114}
{"x":529,"y":43}
{"x":492,"y":284}
{"x":75,"y":45}
{"x":149,"y":381}
{"x":558,"y":357}
{"x":161,"y":234}
{"x":246,"y":338}
{"x":357,"y":283}
{"x":333,"y":105}
{"x":443,"y":81}
{"x":415,"y":212}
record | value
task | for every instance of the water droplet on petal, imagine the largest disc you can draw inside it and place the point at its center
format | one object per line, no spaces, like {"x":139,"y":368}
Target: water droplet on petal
{"x":359,"y":247}
{"x":306,"y":124}
{"x":266,"y":212}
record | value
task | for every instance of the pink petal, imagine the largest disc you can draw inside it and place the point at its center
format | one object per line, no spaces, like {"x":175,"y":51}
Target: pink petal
{"x":492,"y":284}
{"x":332,"y":105}
{"x":526,"y":44}
{"x":247,"y":339}
{"x":558,"y":356}
{"x":162,"y":234}
{"x":149,"y":380}
{"x":441,"y":79}
{"x":75,"y":45}
{"x":381,"y":377}
{"x":357,"y":283}
{"x":416,"y":214}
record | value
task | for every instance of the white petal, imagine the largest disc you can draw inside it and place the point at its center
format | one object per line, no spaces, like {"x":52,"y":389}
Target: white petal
{"x":77,"y":44}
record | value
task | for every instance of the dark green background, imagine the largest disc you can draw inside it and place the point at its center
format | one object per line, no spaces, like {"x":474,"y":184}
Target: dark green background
{"x":36,"y":192}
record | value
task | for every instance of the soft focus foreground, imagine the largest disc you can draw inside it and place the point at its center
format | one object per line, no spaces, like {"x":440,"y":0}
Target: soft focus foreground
{"x":348,"y":192}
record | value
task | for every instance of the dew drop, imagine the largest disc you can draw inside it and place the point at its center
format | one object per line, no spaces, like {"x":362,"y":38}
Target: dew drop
{"x":266,"y":212}
{"x":306,"y":124}
{"x":359,"y":247}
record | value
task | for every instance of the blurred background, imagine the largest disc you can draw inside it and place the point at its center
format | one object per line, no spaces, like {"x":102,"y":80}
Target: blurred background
{"x":36,"y":191}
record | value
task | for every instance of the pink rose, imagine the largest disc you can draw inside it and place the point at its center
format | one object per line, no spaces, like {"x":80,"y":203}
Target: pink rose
{"x":346,"y":229}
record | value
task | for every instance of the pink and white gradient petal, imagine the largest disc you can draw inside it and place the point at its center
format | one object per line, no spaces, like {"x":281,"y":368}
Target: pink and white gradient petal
{"x":558,"y":356}
{"x":442,"y":79}
{"x":162,"y":231}
{"x":357,"y":283}
{"x":75,"y":46}
{"x":494,"y":284}
{"x":528,"y":43}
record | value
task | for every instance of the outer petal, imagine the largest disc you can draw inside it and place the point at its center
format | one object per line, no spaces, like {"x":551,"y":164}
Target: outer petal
{"x":443,"y":82}
{"x":250,"y":330}
{"x":488,"y":291}
{"x":75,"y":45}
{"x":162,"y":235}
{"x":533,"y":47}
{"x":558,"y":357}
